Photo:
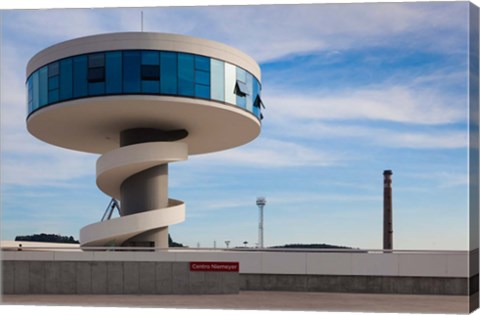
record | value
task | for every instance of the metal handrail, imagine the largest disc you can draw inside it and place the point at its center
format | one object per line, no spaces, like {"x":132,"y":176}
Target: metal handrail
{"x":107,"y":215}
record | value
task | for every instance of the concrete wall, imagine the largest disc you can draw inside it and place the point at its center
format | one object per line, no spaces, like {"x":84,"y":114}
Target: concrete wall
{"x":451,"y":264}
{"x":449,"y":273}
{"x":355,"y":284}
{"x":112,"y":277}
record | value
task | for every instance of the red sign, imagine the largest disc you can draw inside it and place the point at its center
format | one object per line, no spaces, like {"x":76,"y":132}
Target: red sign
{"x":223,"y":266}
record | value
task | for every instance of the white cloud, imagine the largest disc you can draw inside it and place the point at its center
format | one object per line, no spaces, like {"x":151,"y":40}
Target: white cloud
{"x":378,"y":136}
{"x":271,"y":32}
{"x":388,"y":103}
{"x":270,"y":153}
{"x":28,"y":162}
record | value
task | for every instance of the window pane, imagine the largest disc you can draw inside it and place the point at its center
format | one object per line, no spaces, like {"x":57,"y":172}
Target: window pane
{"x":29,"y":101}
{"x":131,"y":71}
{"x":240,"y":88}
{"x":151,"y":87}
{"x":52,"y":96}
{"x":96,"y":74}
{"x":217,"y":80}
{"x":96,"y":88}
{"x":53,"y":69}
{"x":168,"y":73}
{"x":42,"y":97}
{"x":80,"y":76}
{"x":35,"y":90}
{"x":96,"y":60}
{"x":230,"y":81}
{"x":202,"y":77}
{"x":66,"y":89}
{"x":185,"y":75}
{"x":241,"y":75}
{"x":113,"y":72}
{"x":202,"y":63}
{"x":255,"y":94}
{"x":241,"y":101}
{"x":53,"y":83}
{"x":29,"y":95}
{"x":150,"y":57}
{"x":249,"y":87}
{"x":150,"y":72}
{"x":202,"y":91}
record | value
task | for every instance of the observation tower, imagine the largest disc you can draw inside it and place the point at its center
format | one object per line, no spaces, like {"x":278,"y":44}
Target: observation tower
{"x":142,"y":100}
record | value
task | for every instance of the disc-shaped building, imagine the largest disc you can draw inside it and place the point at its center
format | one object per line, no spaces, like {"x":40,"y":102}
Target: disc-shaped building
{"x":142,"y":100}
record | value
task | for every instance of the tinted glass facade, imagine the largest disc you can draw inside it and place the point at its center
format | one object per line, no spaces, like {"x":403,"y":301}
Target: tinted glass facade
{"x":143,"y":72}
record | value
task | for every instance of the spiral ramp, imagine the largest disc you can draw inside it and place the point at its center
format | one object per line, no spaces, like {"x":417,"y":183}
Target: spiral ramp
{"x":132,"y":170}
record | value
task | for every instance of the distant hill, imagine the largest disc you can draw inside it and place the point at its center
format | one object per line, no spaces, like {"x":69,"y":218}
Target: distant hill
{"x":311,"y":246}
{"x":47,"y":238}
{"x":53,"y":238}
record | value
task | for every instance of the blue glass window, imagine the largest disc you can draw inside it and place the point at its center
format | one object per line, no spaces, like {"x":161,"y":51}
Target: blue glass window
{"x":53,"y":83}
{"x":217,"y":88}
{"x":240,"y":88}
{"x":241,"y":75}
{"x":66,"y":82}
{"x":80,"y":87}
{"x":42,"y":85}
{"x":185,"y":75}
{"x":257,"y":100}
{"x":96,"y":88}
{"x":53,"y":96}
{"x":150,"y":72}
{"x":96,"y":74}
{"x":29,"y":94}
{"x":249,"y":90}
{"x":113,"y":72}
{"x":35,"y":90}
{"x":96,"y":60}
{"x":168,"y":73}
{"x":53,"y":69}
{"x":150,"y":57}
{"x":131,"y":71}
{"x":96,"y":68}
{"x":202,"y":91}
{"x":202,"y":77}
{"x":202,"y":63}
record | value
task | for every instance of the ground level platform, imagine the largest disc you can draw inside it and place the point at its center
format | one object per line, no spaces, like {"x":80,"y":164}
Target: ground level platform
{"x":263,"y":300}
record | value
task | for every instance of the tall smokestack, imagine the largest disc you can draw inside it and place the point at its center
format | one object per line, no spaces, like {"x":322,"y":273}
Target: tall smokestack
{"x":387,"y":210}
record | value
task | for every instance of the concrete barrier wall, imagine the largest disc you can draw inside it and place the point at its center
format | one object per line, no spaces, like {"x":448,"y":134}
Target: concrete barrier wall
{"x":452,"y":264}
{"x":112,"y":277}
{"x":449,"y":273}
{"x":356,"y":284}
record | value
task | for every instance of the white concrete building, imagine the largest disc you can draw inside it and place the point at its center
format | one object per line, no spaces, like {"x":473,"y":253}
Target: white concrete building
{"x":142,"y":100}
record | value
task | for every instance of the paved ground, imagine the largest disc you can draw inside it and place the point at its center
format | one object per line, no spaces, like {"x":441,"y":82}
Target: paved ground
{"x":262,"y":300}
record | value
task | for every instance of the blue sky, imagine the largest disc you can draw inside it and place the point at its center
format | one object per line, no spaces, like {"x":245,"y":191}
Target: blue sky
{"x":350,"y":90}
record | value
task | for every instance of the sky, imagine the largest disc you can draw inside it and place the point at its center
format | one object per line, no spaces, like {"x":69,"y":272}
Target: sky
{"x":350,"y":90}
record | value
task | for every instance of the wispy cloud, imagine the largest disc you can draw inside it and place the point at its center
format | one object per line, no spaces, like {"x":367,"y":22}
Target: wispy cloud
{"x":394,"y":103}
{"x":270,"y":153}
{"x":378,"y":136}
{"x":285,"y":30}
